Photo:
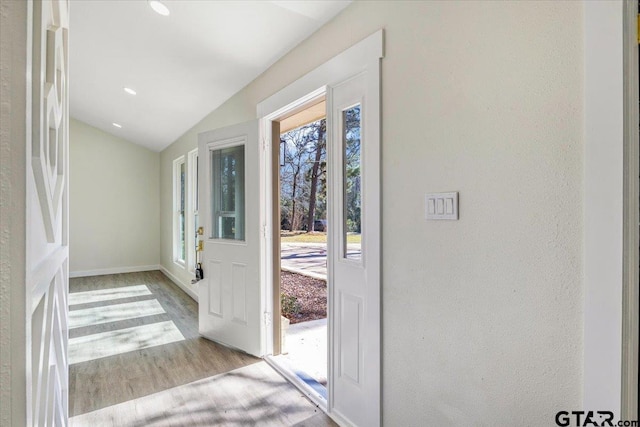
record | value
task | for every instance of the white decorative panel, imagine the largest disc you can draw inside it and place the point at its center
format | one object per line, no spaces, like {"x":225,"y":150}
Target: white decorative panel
{"x":49,"y":150}
{"x":215,"y":288}
{"x":239,"y":292}
{"x":47,"y":209}
{"x":49,"y":355}
{"x":350,"y":307}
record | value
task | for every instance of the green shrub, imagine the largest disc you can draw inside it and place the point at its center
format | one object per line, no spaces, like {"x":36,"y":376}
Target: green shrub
{"x":289,"y":305}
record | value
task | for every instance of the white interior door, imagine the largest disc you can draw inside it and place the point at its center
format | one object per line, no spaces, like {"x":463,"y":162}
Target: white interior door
{"x":229,"y":208}
{"x":354,"y":268}
{"x":47,"y":218}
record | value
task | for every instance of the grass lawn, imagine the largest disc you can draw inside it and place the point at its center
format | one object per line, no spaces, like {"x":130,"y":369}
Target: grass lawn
{"x":315,"y":237}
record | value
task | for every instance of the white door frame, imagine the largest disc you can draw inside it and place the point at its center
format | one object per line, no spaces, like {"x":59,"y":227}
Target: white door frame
{"x":365,"y":55}
{"x":610,"y":262}
{"x":267,"y":176}
{"x":631,"y":269}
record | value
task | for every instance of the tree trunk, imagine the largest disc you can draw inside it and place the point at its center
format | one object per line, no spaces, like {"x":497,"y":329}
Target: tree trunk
{"x":293,"y":202}
{"x":314,"y":179}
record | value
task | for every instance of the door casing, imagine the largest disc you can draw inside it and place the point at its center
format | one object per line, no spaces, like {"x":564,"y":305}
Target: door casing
{"x":364,"y":56}
{"x":631,"y":256}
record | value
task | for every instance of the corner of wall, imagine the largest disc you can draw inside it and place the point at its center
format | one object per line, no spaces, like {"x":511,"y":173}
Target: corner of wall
{"x":603,"y":207}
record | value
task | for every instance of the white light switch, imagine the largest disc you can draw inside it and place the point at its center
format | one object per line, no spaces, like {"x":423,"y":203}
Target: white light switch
{"x":448,"y":205}
{"x":442,"y":206}
{"x":431,"y":206}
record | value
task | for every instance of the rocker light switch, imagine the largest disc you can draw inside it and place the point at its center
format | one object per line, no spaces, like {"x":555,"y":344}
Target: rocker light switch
{"x":431,"y":206}
{"x":442,"y":206}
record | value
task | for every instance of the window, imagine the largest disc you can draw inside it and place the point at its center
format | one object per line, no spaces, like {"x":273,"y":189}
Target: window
{"x":227,"y":193}
{"x":352,"y":185}
{"x":179,"y":201}
{"x":185,"y":210}
{"x":192,"y":210}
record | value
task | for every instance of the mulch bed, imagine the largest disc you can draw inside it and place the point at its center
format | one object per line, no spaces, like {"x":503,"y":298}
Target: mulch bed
{"x":311,"y":295}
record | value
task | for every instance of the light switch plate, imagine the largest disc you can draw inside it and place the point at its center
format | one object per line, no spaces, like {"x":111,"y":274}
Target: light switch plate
{"x":442,"y":206}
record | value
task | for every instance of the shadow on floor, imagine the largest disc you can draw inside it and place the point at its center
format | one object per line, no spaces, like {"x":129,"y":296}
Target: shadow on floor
{"x":136,"y":359}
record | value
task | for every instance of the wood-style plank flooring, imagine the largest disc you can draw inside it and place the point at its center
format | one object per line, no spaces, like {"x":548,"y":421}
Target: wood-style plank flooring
{"x":136,"y":359}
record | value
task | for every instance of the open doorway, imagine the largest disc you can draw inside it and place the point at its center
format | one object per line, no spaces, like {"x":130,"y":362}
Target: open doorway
{"x":300,"y":282}
{"x":350,"y":85}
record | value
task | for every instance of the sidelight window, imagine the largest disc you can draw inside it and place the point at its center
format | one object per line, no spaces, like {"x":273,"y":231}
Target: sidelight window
{"x":179,"y":204}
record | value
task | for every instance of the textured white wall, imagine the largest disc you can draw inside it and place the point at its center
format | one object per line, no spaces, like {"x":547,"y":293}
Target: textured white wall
{"x":482,"y":318}
{"x":114,"y":203}
{"x":13,"y":84}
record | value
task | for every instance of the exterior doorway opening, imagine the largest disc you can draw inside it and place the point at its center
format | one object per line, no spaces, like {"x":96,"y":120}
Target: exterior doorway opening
{"x":300,"y":265}
{"x":350,"y":85}
{"x":303,"y":245}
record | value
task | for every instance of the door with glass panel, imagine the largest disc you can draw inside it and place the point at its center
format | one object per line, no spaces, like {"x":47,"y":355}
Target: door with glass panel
{"x":354,"y":252}
{"x":230,"y":293}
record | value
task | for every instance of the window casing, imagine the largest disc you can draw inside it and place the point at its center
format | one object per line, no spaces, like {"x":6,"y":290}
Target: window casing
{"x":192,"y":209}
{"x":179,"y":211}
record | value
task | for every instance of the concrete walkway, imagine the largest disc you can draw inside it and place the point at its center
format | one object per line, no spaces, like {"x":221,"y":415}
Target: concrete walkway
{"x":309,"y":259}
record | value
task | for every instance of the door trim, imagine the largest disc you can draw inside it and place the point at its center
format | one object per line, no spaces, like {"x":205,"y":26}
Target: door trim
{"x":342,"y":66}
{"x":365,"y":55}
{"x":631,"y":257}
{"x":603,"y":212}
{"x":298,"y":94}
{"x":270,"y":126}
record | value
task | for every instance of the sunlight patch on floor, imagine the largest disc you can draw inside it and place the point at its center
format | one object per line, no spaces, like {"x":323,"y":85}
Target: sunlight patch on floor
{"x":90,"y":347}
{"x":87,"y":297}
{"x":113,"y":313}
{"x":252,"y":395}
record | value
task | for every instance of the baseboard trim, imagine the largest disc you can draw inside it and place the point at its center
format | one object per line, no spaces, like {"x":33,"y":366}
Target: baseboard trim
{"x":179,"y":283}
{"x":115,"y":270}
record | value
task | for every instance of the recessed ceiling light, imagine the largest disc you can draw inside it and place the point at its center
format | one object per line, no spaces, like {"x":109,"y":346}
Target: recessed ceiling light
{"x":159,"y":7}
{"x":130,"y":91}
{"x":117,"y":125}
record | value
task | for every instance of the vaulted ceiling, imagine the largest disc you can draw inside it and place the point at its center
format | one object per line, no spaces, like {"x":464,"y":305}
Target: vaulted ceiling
{"x":181,"y":66}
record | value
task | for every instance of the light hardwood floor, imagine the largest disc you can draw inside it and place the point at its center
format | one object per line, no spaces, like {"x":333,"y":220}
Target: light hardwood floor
{"x":136,"y":359}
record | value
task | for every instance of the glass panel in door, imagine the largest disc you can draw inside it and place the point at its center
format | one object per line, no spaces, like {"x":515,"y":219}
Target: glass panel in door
{"x":352,"y":185}
{"x":227,"y":193}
